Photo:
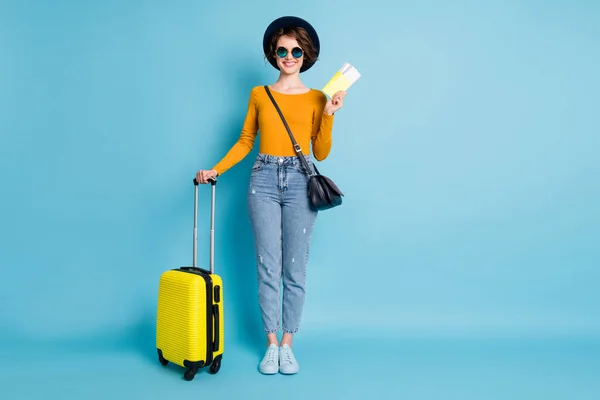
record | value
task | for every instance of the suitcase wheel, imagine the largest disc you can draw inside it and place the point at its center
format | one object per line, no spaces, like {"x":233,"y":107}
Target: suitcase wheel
{"x":161,"y":359}
{"x":216,"y":365}
{"x":190,"y":373}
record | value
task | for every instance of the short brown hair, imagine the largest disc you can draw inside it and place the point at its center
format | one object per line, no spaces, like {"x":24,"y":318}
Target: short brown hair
{"x":303,"y":39}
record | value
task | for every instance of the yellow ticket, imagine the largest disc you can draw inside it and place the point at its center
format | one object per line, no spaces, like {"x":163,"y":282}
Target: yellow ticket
{"x":341,"y":80}
{"x":336,"y":83}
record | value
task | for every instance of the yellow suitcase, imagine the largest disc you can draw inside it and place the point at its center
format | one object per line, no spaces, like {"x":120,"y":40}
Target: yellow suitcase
{"x":190,"y":318}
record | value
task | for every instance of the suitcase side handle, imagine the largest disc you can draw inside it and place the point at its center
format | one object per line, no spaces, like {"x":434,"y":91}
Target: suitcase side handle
{"x":213,"y":183}
{"x":217,"y":333}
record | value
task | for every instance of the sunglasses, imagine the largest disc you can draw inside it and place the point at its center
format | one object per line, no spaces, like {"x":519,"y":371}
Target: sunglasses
{"x":296,"y":52}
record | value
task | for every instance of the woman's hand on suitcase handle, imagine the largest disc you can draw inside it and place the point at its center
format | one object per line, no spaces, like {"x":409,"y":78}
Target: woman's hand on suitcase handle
{"x":203,"y":176}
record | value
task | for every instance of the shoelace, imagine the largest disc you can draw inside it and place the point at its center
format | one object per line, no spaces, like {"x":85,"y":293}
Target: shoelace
{"x":287,"y":355}
{"x":271,"y":358}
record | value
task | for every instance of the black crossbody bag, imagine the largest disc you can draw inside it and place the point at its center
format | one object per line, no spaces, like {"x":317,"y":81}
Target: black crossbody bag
{"x":323,"y":194}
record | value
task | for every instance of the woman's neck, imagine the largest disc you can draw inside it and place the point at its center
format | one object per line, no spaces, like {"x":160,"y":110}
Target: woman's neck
{"x":289,"y":83}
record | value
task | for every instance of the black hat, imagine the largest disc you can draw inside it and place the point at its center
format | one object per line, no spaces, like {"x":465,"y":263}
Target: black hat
{"x":287,"y":22}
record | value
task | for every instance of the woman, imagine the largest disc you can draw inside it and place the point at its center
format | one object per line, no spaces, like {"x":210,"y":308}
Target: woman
{"x":278,"y":204}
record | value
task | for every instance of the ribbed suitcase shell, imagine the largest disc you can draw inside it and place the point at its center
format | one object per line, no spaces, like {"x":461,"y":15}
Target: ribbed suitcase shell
{"x":183,"y":315}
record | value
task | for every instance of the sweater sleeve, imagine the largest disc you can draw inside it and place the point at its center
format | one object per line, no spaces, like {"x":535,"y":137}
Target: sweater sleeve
{"x":322,"y":129}
{"x":245,"y":143}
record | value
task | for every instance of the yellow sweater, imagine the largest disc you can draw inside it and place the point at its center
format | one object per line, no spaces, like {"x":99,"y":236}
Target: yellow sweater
{"x":304,"y":115}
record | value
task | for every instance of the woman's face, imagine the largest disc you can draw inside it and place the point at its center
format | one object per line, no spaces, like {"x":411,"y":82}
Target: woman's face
{"x":288,"y":64}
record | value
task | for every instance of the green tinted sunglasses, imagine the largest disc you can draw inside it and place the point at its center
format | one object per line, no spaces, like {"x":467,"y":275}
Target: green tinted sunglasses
{"x":296,"y":52}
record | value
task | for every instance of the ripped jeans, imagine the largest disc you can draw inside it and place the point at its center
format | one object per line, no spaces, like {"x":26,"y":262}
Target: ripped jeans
{"x":282,"y":223}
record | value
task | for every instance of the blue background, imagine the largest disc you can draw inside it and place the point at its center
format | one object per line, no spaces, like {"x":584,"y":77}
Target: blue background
{"x":463,"y":263}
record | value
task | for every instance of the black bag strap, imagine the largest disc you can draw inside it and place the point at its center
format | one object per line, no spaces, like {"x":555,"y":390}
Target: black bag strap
{"x":297,"y":148}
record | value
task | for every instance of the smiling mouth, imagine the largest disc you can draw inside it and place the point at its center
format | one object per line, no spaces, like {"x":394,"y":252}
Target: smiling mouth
{"x":289,"y":64}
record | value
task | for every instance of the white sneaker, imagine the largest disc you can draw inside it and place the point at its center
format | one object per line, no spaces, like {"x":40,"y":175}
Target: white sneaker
{"x":270,"y":362}
{"x":287,"y":362}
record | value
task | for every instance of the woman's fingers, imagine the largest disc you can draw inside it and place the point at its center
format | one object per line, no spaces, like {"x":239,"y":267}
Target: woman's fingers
{"x":203,"y":175}
{"x":338,"y":98}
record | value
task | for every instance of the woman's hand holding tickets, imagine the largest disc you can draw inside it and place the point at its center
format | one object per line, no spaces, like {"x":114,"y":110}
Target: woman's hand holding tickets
{"x":335,"y":103}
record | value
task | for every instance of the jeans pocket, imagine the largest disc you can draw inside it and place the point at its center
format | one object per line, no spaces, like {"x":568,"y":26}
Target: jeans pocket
{"x":258,"y":165}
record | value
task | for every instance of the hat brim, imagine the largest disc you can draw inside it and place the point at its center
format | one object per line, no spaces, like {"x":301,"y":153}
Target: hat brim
{"x":287,"y":22}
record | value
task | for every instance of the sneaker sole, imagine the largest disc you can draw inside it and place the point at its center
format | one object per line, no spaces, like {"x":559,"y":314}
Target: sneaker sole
{"x":288,"y":372}
{"x":267,"y":372}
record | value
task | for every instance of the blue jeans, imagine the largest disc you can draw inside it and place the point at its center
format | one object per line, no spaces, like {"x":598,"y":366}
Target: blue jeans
{"x":282,"y":222}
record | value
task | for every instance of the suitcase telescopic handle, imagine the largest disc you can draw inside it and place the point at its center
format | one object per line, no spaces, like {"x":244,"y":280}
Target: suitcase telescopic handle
{"x":213,"y":183}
